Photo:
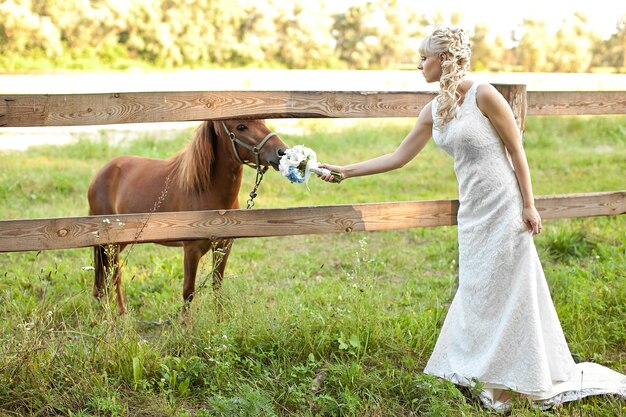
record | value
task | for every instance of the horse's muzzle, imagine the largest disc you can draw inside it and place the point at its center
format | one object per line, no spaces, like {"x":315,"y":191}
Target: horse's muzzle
{"x":279,"y":153}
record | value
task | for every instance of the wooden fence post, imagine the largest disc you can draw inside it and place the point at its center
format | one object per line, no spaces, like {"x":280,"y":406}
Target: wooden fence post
{"x":515,"y":95}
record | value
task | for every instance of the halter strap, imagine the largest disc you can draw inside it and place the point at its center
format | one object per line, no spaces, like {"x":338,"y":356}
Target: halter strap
{"x":234,"y":141}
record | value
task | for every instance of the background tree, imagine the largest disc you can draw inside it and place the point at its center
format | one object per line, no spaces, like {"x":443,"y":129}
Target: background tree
{"x":379,"y":34}
{"x":532,"y":45}
{"x":397,"y":31}
{"x":24,"y":33}
{"x":352,"y":34}
{"x":303,"y":35}
{"x":487,"y":53}
{"x":612,"y":52}
{"x":117,"y":34}
{"x":573,"y":44}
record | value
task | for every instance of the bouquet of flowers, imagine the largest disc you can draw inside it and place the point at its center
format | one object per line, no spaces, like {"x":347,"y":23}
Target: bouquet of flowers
{"x":299,"y":162}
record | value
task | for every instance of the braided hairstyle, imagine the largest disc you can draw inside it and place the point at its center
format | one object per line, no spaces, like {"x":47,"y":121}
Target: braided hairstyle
{"x":455,"y":44}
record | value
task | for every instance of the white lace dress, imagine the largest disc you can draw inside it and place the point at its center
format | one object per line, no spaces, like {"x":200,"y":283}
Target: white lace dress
{"x":501,"y":328}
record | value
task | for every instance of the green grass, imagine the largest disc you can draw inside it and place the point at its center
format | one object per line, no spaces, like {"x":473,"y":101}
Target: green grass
{"x":330,"y":325}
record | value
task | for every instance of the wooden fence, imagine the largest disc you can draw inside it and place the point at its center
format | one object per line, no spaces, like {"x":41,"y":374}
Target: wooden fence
{"x":115,"y":108}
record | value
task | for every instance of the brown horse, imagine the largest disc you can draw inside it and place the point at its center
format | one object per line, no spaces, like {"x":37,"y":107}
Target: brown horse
{"x":205,"y":175}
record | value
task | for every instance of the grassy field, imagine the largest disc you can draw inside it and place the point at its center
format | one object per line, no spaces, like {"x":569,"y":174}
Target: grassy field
{"x":329,"y":325}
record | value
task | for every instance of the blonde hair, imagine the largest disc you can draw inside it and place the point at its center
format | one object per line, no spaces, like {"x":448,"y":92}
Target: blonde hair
{"x":455,"y":44}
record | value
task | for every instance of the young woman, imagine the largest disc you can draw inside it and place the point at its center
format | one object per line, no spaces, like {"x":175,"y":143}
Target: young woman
{"x":501,"y":331}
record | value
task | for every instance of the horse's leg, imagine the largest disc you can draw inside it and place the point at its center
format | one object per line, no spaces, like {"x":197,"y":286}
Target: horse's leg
{"x":100,"y":260}
{"x":221,"y":251}
{"x":105,"y":260}
{"x":121,"y":305}
{"x":193,"y":252}
{"x":108,"y":271}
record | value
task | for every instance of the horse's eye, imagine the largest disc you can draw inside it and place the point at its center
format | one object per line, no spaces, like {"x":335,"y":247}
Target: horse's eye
{"x":241,"y":127}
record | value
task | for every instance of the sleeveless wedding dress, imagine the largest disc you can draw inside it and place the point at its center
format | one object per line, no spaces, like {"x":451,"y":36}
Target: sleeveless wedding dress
{"x":502,"y":330}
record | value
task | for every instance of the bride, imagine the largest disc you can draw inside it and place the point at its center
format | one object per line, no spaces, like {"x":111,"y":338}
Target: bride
{"x":501,"y":332}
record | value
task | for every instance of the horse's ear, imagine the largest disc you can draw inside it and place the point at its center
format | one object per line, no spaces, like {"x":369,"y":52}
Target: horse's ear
{"x":201,"y":155}
{"x":210,"y":135}
{"x":213,"y":126}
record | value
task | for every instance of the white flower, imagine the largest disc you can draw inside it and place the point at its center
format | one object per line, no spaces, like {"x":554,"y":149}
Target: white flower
{"x":296,"y":163}
{"x":299,"y":162}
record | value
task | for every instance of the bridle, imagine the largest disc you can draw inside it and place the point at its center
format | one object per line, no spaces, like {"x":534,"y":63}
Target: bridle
{"x":256,"y":150}
{"x":234,"y":141}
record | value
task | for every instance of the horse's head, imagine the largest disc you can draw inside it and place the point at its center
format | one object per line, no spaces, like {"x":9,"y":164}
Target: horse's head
{"x":252,"y":142}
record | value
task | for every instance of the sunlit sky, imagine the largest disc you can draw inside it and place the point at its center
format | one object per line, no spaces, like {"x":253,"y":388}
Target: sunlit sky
{"x":502,"y":16}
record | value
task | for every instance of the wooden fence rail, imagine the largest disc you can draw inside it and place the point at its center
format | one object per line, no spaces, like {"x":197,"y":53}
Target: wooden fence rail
{"x":101,"y":109}
{"x":75,"y":232}
{"x":114,"y":108}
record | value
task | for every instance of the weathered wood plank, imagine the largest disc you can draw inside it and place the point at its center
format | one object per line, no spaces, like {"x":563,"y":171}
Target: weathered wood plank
{"x":610,"y":203}
{"x":59,"y":233}
{"x":75,"y":232}
{"x":114,"y":108}
{"x":544,"y":103}
{"x":101,"y":109}
{"x":515,"y":94}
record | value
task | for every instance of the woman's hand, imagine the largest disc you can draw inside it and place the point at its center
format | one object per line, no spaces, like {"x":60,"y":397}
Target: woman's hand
{"x":532,"y":220}
{"x":335,"y":168}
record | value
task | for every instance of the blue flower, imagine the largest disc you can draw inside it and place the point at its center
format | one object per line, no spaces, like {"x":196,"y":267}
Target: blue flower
{"x":295,"y":176}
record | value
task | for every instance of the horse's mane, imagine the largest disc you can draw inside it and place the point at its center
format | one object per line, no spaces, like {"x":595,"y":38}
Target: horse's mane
{"x":191,"y":167}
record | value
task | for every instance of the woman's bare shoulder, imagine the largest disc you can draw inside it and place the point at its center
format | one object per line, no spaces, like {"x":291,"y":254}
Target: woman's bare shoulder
{"x":486,"y":90}
{"x":488,"y":97}
{"x":426,"y":114}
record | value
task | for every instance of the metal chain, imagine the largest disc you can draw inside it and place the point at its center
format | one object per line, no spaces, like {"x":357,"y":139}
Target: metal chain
{"x":257,"y":182}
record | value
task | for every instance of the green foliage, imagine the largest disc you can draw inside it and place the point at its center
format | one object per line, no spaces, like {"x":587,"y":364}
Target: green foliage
{"x":329,"y":325}
{"x":378,"y":35}
{"x":298,"y":34}
{"x":569,"y":245}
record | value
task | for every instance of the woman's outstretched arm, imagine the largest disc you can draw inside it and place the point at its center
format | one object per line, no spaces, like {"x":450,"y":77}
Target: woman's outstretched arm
{"x":412,"y":144}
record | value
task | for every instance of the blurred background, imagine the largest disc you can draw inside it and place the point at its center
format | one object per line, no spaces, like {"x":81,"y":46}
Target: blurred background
{"x":546,"y":36}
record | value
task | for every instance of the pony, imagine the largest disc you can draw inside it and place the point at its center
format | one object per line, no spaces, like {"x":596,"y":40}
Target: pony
{"x":205,"y":175}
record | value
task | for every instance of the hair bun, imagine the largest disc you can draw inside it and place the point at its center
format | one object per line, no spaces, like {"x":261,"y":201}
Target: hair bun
{"x":460,"y":43}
